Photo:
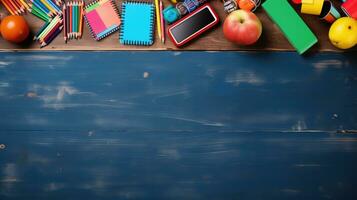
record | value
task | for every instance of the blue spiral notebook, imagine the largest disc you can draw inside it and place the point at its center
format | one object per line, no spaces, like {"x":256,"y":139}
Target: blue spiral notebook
{"x":137,"y":23}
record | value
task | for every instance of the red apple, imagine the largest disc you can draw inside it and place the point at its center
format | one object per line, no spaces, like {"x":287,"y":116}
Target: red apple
{"x":242,"y":27}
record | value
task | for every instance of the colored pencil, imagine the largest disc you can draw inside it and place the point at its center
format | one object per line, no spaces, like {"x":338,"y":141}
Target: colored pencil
{"x":53,"y":36}
{"x":50,"y":32}
{"x":44,"y":2}
{"x":8,"y":7}
{"x":20,"y":8}
{"x":81,"y":20}
{"x":74,"y":20}
{"x":48,"y":28}
{"x":158,"y":21}
{"x":25,"y":4}
{"x":39,"y":6}
{"x":40,"y":15}
{"x":65,"y":23}
{"x":54,"y":6}
{"x":42,"y":29}
{"x":162,"y":23}
{"x":70,"y":20}
{"x":35,"y":9}
{"x":13,"y":6}
{"x":78,"y":18}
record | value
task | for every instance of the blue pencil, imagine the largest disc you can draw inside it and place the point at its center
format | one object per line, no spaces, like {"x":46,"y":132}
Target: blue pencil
{"x":54,"y":6}
{"x":42,"y":7}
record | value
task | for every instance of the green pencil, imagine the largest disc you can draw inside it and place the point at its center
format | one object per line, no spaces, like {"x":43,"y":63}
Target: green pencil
{"x":38,"y":15}
{"x":75,"y":20}
{"x":40,"y":12}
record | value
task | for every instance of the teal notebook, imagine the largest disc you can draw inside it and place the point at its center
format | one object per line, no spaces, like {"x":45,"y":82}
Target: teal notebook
{"x":137,"y":23}
{"x":291,"y":24}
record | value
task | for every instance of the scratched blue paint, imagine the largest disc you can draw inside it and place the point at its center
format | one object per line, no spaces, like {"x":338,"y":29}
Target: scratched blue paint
{"x":177,"y":125}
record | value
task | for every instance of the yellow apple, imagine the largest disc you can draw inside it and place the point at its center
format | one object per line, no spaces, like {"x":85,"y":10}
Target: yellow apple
{"x":343,"y":33}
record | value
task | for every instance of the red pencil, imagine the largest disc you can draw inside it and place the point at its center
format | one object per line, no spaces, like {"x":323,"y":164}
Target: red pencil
{"x":8,"y":7}
{"x":17,"y":5}
{"x":50,"y":33}
{"x":20,"y":7}
{"x":12,"y":6}
{"x":64,"y":23}
{"x":70,"y":20}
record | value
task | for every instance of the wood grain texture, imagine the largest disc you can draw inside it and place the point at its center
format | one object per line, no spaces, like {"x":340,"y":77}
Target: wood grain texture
{"x":156,"y":125}
{"x":271,"y":40}
{"x":199,"y":165}
{"x":143,"y":91}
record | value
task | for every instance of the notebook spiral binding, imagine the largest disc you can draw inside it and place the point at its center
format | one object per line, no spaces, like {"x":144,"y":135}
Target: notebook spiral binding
{"x":90,"y":27}
{"x":121,"y":32}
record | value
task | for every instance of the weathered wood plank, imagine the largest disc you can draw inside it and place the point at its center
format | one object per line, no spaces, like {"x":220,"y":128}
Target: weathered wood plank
{"x":177,"y":125}
{"x":216,"y":91}
{"x":177,"y":165}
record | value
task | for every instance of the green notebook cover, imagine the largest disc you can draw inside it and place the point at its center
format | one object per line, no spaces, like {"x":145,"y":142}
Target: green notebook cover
{"x":290,"y":23}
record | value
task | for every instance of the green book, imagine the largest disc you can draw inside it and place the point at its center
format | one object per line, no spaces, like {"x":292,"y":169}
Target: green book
{"x":291,"y":24}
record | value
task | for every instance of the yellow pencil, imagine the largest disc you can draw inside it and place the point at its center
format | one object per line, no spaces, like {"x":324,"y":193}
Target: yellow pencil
{"x":8,"y":7}
{"x":81,"y":19}
{"x":26,"y":5}
{"x":49,"y":7}
{"x":158,"y":20}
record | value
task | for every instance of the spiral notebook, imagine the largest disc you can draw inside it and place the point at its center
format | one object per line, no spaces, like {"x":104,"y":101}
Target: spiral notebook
{"x":102,"y":17}
{"x":137,"y":23}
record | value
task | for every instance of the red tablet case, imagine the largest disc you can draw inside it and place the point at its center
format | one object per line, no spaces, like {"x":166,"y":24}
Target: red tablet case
{"x":193,"y":36}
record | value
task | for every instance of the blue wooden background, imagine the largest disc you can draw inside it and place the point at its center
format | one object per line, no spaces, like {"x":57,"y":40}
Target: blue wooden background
{"x":177,"y":125}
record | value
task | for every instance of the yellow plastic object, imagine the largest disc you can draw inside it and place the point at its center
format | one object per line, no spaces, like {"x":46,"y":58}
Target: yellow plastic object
{"x":312,"y":7}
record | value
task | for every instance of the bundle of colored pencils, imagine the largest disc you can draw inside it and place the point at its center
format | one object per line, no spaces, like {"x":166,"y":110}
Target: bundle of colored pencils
{"x":45,"y":9}
{"x":73,"y":20}
{"x":15,"y":7}
{"x":49,"y":31}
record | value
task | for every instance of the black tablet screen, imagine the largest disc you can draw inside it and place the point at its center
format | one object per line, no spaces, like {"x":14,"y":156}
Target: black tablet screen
{"x":192,"y":24}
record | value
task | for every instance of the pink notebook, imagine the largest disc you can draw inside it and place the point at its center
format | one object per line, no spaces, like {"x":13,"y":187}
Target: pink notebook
{"x":102,"y":17}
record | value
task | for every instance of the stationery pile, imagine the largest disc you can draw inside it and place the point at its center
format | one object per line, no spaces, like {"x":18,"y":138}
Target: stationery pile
{"x":45,"y":9}
{"x":49,"y":31}
{"x":15,"y":7}
{"x":73,"y":20}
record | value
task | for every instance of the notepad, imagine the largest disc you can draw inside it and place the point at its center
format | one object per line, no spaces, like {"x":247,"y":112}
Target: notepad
{"x":102,"y":17}
{"x":137,"y":23}
{"x":290,"y":23}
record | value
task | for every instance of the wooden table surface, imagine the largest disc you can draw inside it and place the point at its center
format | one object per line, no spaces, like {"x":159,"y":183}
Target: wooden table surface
{"x":165,"y":127}
{"x":271,"y":39}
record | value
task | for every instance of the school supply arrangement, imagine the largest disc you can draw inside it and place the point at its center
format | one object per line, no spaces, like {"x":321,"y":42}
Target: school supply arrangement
{"x":49,"y":31}
{"x":186,"y":19}
{"x":72,"y":20}
{"x":137,"y":23}
{"x":102,"y":17}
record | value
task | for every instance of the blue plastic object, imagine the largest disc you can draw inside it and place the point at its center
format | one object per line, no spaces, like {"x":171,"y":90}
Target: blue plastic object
{"x":171,"y":14}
